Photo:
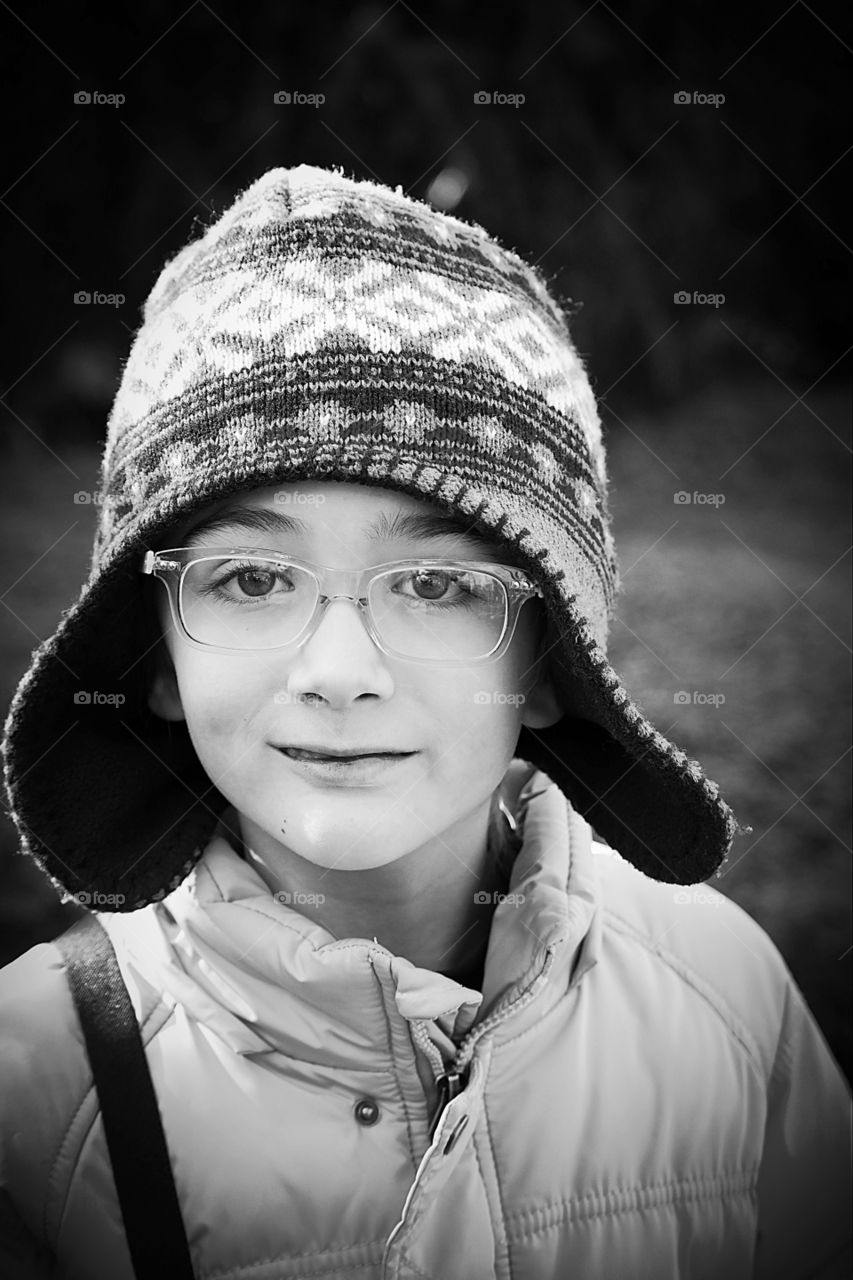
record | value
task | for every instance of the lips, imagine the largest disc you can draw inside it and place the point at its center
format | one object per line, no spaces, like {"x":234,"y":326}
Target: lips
{"x":302,"y":753}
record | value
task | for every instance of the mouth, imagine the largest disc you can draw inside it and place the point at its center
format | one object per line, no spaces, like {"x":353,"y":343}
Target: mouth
{"x":336,"y":769}
{"x":341,"y":757}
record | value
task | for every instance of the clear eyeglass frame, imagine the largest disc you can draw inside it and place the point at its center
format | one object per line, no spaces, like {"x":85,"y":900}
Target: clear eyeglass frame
{"x":170,"y":566}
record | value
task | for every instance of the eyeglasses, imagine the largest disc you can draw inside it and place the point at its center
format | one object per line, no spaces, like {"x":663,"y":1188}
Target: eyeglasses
{"x":436,"y":611}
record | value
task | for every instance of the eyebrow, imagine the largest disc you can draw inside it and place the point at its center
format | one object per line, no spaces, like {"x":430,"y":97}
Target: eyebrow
{"x":430,"y":525}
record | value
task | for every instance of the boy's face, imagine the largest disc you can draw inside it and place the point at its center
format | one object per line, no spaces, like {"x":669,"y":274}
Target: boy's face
{"x":339,"y":691}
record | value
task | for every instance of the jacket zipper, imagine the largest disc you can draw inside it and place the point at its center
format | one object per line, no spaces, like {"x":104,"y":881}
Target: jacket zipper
{"x":449,"y":1087}
{"x":450,"y":1083}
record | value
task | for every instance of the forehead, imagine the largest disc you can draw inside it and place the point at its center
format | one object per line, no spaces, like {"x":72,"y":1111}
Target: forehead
{"x":307,"y":510}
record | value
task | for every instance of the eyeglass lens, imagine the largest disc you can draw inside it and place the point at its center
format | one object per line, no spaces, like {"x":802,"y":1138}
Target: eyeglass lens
{"x":432,"y":611}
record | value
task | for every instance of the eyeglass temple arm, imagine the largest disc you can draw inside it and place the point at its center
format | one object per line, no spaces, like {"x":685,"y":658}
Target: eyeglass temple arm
{"x":152,"y":562}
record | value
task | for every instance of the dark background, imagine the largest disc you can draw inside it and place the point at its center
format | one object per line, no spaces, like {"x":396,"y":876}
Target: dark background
{"x":624,"y":197}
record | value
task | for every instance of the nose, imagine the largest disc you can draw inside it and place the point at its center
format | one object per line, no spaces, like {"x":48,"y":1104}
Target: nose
{"x":339,"y":662}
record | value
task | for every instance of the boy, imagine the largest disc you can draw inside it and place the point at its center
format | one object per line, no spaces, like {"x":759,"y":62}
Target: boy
{"x":403,"y":1015}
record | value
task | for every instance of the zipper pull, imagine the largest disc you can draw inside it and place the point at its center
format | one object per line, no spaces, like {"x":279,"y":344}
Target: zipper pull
{"x":449,"y":1087}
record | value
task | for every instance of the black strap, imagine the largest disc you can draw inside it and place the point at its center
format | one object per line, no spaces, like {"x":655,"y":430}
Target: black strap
{"x":134,"y":1129}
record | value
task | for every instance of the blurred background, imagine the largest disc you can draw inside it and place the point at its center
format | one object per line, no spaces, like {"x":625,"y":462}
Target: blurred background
{"x":676,"y":174}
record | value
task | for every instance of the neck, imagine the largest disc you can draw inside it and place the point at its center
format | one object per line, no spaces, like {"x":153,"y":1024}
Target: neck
{"x":429,"y":906}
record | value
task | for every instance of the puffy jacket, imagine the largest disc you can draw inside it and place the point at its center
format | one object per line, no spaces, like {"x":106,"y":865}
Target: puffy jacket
{"x":645,"y":1092}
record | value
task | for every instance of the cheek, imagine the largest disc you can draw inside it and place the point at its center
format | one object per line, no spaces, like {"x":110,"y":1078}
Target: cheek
{"x":481,"y":714}
{"x":218,"y":698}
{"x":503,"y":688}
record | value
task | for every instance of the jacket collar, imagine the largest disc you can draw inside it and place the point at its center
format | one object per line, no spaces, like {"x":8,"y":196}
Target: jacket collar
{"x":262,"y":977}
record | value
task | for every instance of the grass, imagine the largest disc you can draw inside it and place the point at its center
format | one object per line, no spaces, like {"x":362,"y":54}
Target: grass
{"x":710,"y":605}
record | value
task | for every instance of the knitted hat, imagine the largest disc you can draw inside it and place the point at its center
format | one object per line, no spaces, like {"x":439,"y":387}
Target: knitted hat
{"x":331,"y":329}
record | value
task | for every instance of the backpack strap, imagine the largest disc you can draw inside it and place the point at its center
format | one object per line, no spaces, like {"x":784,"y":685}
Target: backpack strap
{"x":131,"y":1117}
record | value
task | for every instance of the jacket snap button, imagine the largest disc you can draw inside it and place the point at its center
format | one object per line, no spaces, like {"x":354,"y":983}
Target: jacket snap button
{"x":366,"y":1111}
{"x":451,"y":1141}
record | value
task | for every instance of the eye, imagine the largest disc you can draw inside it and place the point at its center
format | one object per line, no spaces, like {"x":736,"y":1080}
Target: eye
{"x":254,"y":582}
{"x":440,"y":587}
{"x":250,"y":580}
{"x":431,"y":584}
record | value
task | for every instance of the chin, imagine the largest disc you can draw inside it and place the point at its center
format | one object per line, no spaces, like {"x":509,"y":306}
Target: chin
{"x":346,"y":862}
{"x":343,"y":845}
{"x":341,"y":856}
